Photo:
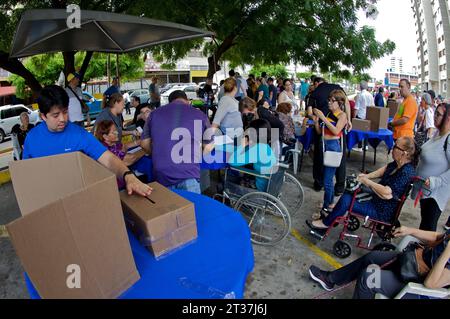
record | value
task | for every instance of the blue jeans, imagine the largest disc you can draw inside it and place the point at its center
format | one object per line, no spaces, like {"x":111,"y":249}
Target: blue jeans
{"x":343,"y":205}
{"x":328,"y":174}
{"x":191,"y":185}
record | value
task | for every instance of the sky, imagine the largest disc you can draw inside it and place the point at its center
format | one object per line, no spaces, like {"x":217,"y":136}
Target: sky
{"x":395,"y":22}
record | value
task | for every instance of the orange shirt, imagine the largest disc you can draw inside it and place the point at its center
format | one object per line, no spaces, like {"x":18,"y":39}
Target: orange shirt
{"x":408,"y":109}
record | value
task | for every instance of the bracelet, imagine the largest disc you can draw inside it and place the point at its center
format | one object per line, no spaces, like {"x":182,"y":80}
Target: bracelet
{"x":127,"y":173}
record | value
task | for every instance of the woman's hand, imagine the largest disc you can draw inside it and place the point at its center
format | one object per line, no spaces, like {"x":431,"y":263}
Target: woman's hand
{"x":362,"y":179}
{"x":402,"y":231}
{"x":318,"y":113}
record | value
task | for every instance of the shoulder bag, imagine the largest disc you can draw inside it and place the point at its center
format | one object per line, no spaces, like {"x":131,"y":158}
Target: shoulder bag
{"x":331,"y":158}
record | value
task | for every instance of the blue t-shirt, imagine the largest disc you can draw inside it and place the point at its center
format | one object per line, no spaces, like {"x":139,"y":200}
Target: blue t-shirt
{"x":111,"y":90}
{"x":398,"y":183}
{"x":41,"y":142}
{"x":262,"y":158}
{"x":304,"y":89}
{"x":265,"y":90}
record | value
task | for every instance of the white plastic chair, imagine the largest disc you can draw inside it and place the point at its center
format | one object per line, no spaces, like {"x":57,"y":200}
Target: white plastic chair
{"x":413,"y":288}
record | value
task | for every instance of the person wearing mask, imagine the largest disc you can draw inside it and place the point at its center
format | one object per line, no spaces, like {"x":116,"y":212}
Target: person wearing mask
{"x":405,"y":119}
{"x":395,"y":178}
{"x":228,"y":119}
{"x":333,"y":126}
{"x":249,"y":111}
{"x":264,"y":112}
{"x":379,"y":99}
{"x":434,"y":167}
{"x":113,"y":112}
{"x":287,"y":96}
{"x":319,"y":100}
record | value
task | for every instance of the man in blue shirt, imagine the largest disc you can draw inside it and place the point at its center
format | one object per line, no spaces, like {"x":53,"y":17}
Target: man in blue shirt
{"x":114,"y":88}
{"x":56,"y":135}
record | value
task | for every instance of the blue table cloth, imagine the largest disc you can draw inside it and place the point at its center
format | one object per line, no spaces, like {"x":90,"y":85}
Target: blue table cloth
{"x":144,"y":166}
{"x":374,"y":138}
{"x":214,"y":266}
{"x":308,"y":138}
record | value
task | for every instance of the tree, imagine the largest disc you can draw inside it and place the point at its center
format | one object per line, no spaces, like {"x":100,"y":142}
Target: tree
{"x":304,"y":75}
{"x":278,"y":71}
{"x":46,"y":68}
{"x":321,"y":34}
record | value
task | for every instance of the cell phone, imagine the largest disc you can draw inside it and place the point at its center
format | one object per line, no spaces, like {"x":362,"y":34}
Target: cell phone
{"x":139,"y":129}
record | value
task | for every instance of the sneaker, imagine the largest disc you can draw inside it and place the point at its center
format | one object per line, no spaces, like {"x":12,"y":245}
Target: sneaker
{"x":447,"y":225}
{"x":357,"y":149}
{"x":320,"y":276}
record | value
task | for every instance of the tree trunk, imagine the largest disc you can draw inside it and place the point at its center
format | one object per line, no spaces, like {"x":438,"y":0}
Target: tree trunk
{"x":84,"y":66}
{"x":14,"y":66}
{"x":69,"y":62}
{"x":213,"y":61}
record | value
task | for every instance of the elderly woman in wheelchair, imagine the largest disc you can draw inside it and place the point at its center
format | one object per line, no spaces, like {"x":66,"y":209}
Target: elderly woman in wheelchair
{"x":268,"y":206}
{"x":386,"y":274}
{"x":395,"y":178}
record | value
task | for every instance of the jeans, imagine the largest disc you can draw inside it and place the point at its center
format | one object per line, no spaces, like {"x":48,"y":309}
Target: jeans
{"x":191,"y":185}
{"x":328,"y":174}
{"x":369,"y":282}
{"x":343,"y":205}
{"x":318,"y":165}
{"x":430,"y":212}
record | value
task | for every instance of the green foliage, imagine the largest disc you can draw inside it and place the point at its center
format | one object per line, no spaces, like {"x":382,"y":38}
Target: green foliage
{"x":47,"y":67}
{"x":321,"y":34}
{"x":304,"y":75}
{"x":276,"y":71}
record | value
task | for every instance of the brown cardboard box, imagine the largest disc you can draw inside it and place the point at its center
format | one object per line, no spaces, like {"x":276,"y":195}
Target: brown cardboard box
{"x":361,"y":125}
{"x":393,"y":108}
{"x":71,"y":216}
{"x":378,"y":117}
{"x":163,"y":221}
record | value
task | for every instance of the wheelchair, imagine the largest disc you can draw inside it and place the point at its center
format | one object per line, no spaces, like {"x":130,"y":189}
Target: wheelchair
{"x":352,"y":221}
{"x":268,"y":214}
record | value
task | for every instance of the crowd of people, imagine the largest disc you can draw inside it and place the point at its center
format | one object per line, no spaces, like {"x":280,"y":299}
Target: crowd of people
{"x":261,"y":120}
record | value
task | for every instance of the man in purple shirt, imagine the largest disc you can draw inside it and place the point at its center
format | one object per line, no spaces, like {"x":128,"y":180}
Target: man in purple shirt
{"x":174,"y":136}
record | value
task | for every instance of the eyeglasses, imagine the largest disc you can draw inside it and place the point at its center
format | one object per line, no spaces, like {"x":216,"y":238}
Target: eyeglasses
{"x":114,"y":133}
{"x":400,"y":149}
{"x":331,"y":100}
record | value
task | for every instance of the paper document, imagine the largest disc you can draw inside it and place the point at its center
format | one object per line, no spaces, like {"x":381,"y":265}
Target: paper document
{"x":134,"y":150}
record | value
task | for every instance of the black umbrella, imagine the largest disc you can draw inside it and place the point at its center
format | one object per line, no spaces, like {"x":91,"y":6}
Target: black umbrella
{"x":46,"y":30}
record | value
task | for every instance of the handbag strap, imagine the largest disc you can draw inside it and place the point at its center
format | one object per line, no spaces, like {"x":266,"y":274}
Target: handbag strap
{"x":76,"y":95}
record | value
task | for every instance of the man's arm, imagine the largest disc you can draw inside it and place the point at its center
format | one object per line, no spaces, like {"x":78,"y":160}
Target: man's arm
{"x":146,"y":145}
{"x":133,"y":184}
{"x":401,"y":121}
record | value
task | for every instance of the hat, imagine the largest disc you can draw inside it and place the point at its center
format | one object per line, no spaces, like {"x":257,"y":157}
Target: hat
{"x":70,"y":76}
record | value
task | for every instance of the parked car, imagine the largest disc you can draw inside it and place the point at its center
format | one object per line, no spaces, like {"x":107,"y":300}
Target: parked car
{"x":190,"y":90}
{"x":143,"y":94}
{"x":215,"y":86}
{"x":166,"y":87}
{"x":10,"y":117}
{"x":95,"y":105}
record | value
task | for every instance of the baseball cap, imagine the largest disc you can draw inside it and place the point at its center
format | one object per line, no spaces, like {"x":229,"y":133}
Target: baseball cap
{"x":70,"y":76}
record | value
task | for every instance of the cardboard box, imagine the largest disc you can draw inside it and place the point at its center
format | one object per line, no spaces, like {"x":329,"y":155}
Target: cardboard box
{"x":163,"y":222}
{"x":71,"y":238}
{"x":361,"y":125}
{"x":378,"y":117}
{"x":393,"y":108}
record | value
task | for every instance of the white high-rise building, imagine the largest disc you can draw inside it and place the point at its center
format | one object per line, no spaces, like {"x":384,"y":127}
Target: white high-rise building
{"x":433,"y":44}
{"x":396,"y":65}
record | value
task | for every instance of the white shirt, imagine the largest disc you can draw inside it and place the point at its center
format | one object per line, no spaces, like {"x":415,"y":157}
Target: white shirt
{"x":429,"y":118}
{"x":364,"y":100}
{"x":75,"y":113}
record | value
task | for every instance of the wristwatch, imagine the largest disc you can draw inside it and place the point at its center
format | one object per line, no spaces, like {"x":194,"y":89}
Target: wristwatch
{"x":127,"y":173}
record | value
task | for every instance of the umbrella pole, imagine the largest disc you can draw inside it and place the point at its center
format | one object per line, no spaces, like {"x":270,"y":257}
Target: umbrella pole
{"x":108,"y":69}
{"x":117,"y":68}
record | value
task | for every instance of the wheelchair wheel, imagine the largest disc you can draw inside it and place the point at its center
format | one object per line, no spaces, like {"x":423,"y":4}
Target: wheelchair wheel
{"x":341,"y":249}
{"x":353,"y":223}
{"x":292,"y":194}
{"x":385,"y":247}
{"x":268,"y":219}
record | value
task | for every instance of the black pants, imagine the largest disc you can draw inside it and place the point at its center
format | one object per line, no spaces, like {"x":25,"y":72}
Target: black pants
{"x":318,"y":165}
{"x":430,"y":212}
{"x":369,"y":280}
